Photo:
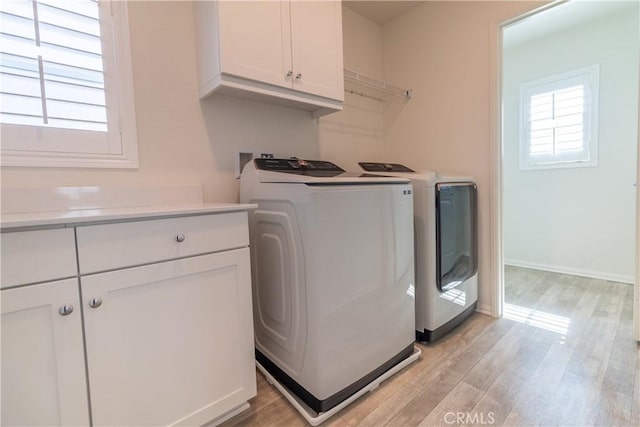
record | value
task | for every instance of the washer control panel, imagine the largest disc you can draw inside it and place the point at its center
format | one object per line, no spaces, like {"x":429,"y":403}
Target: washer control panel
{"x":318,"y":168}
{"x":384,"y":167}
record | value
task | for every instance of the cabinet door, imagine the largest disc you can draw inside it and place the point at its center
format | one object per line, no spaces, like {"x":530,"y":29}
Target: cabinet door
{"x":43,"y":371}
{"x":170,"y":342}
{"x":316,"y":34}
{"x":255,"y":40}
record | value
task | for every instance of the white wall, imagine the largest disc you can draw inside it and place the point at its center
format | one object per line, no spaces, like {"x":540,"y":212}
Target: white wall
{"x":356,"y":134}
{"x":182,"y":140}
{"x":442,"y":50}
{"x":577,"y":220}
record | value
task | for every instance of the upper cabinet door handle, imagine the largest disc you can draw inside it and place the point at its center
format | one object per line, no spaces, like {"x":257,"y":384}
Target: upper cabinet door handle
{"x":290,"y":73}
{"x":298,"y":76}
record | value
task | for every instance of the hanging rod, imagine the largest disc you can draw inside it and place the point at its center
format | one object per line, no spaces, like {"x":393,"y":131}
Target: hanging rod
{"x":369,"y":83}
{"x":354,"y":92}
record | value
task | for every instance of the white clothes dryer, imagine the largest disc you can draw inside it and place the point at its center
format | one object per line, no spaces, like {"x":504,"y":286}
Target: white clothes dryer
{"x":333,"y":275}
{"x":446,"y":239}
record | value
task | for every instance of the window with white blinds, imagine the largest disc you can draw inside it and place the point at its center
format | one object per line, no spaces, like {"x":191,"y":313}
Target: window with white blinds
{"x":559,"y":120}
{"x":65,"y":84}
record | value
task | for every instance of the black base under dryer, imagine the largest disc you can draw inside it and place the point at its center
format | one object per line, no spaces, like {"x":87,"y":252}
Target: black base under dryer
{"x":431,"y":336}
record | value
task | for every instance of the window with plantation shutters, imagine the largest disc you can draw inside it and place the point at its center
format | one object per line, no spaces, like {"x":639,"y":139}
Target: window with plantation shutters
{"x":559,"y":120}
{"x":65,"y":84}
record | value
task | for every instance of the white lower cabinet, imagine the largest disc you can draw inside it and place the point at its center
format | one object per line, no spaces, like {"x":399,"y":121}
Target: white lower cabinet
{"x":170,"y":343}
{"x":43,"y":372}
{"x":166,"y":310}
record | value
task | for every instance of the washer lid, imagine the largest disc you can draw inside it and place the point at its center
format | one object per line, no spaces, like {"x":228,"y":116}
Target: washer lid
{"x":418,"y":179}
{"x":315,"y":172}
{"x":384,"y":167}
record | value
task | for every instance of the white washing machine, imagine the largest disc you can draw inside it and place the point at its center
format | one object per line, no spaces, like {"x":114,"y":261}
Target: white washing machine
{"x":446,"y":238}
{"x":333,"y":276}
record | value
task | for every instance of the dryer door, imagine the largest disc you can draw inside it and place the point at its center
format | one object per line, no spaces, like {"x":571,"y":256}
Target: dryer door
{"x":456,"y":233}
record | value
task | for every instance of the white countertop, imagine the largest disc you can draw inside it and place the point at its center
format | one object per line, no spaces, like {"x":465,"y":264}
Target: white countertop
{"x":72,"y":218}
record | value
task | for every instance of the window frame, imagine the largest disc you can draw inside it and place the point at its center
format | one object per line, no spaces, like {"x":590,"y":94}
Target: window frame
{"x":122,"y":151}
{"x":589,"y":76}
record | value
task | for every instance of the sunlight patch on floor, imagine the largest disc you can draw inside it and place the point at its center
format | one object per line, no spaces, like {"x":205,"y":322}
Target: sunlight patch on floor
{"x":538,"y":319}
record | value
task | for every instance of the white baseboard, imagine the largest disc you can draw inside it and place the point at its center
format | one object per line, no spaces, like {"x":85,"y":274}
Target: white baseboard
{"x":612,"y":277}
{"x":484,"y":309}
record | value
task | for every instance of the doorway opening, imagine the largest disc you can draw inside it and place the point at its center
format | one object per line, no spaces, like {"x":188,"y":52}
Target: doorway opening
{"x":569,"y":168}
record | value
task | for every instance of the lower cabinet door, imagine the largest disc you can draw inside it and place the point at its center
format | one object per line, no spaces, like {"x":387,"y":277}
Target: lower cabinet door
{"x":43,"y":371}
{"x":170,"y":343}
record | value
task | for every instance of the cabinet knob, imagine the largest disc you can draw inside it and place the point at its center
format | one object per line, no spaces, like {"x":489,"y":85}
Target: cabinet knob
{"x":95,"y":302}
{"x":298,"y":76}
{"x":180,"y":237}
{"x":290,"y":73}
{"x":66,"y":310}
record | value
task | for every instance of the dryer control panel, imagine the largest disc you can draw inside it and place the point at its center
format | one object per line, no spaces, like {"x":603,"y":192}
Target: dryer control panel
{"x":384,"y":167}
{"x":317,"y":168}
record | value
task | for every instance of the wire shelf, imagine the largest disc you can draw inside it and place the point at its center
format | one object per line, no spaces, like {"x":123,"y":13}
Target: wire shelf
{"x":393,"y":98}
{"x":369,"y":87}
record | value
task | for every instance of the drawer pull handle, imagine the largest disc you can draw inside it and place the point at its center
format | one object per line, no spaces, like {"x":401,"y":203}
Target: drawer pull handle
{"x":95,"y":302}
{"x":180,"y":238}
{"x":66,"y":310}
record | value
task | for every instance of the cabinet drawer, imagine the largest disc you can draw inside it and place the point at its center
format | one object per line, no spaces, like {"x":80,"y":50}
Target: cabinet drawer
{"x":111,"y":246}
{"x":37,"y":256}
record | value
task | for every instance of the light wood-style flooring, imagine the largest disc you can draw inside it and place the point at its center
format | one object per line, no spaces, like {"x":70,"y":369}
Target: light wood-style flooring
{"x":563,"y":355}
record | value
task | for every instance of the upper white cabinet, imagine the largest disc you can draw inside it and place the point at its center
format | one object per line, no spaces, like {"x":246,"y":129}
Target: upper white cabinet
{"x":284,"y":52}
{"x":255,"y":41}
{"x":316,"y":48}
